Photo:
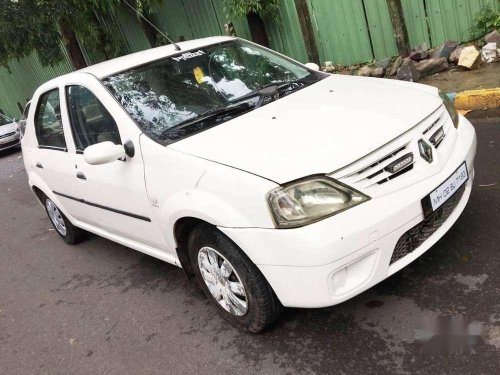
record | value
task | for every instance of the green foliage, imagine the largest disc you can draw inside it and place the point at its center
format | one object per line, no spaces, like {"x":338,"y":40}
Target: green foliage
{"x":485,"y":20}
{"x":28,"y":26}
{"x":267,"y":9}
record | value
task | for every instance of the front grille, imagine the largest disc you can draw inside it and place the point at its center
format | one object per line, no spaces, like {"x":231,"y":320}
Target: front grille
{"x":370,"y":175}
{"x":417,"y":235}
{"x":8,"y":144}
{"x":7,"y":135}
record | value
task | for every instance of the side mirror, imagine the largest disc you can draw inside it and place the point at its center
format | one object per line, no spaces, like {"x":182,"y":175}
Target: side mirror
{"x":312,"y":66}
{"x":102,"y":153}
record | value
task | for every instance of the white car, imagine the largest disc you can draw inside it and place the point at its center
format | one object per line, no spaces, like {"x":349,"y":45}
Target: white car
{"x":272,"y":183}
{"x":9,"y":133}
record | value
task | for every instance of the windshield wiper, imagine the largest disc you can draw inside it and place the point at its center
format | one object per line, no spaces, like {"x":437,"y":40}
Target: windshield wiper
{"x":213,"y":115}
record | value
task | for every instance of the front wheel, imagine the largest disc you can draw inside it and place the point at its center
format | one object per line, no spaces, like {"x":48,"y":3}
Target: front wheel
{"x":231,"y":281}
{"x":69,"y":233}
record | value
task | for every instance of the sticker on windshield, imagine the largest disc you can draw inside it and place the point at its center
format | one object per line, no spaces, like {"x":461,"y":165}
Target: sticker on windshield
{"x":188,"y":55}
{"x":198,"y":74}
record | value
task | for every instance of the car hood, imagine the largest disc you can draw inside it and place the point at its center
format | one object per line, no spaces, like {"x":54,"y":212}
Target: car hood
{"x":316,"y":130}
{"x":8,"y":128}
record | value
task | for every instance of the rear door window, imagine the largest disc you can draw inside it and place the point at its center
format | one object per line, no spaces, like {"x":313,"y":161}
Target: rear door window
{"x":91,"y":122}
{"x":48,"y":124}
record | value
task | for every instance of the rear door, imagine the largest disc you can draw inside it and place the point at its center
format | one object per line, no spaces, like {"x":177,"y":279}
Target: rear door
{"x":115,"y":194}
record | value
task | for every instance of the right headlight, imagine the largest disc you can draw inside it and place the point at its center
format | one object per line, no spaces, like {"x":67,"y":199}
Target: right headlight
{"x":307,"y":201}
{"x":450,"y":107}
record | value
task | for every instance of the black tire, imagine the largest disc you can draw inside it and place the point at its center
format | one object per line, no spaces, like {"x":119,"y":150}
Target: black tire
{"x":72,"y":235}
{"x":263,"y":307}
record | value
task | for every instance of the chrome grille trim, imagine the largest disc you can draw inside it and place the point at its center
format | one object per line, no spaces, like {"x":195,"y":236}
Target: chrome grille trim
{"x":7,"y":135}
{"x":368,"y":174}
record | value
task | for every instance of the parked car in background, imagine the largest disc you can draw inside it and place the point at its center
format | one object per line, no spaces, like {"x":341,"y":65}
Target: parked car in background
{"x":272,"y":183}
{"x":9,"y":133}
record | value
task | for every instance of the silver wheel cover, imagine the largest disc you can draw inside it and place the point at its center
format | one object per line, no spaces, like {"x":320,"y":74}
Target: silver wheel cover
{"x":56,"y":217}
{"x":222,"y":281}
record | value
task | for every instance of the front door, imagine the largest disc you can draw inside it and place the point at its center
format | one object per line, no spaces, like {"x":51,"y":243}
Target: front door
{"x":114,"y":194}
{"x":50,"y":159}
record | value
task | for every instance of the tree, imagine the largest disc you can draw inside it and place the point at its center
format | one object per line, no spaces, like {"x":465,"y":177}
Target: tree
{"x":144,"y":12}
{"x":255,"y":11}
{"x":399,"y":26}
{"x":40,"y":26}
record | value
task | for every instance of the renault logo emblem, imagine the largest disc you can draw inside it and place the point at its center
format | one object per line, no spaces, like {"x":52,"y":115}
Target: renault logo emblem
{"x":425,"y":151}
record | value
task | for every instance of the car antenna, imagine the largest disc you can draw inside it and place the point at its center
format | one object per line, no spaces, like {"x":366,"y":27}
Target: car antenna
{"x":177,"y":48}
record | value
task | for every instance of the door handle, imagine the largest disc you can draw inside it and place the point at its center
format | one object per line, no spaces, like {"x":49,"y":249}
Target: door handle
{"x":81,"y":176}
{"x":39,"y":165}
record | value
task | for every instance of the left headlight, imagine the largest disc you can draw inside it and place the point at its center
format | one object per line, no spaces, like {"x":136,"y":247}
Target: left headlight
{"x":304,"y":202}
{"x":450,"y":107}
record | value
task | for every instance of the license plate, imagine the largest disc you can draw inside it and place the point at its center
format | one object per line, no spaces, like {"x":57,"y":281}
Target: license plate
{"x":445,"y":191}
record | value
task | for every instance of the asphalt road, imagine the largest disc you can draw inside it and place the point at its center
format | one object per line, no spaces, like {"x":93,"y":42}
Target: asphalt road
{"x":102,"y":308}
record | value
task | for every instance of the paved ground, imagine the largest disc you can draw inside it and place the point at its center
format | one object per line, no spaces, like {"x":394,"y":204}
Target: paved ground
{"x":101,"y":308}
{"x":458,"y":79}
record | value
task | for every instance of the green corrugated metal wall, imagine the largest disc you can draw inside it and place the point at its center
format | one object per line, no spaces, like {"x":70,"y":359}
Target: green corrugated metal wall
{"x":285,"y":35}
{"x":416,"y":22}
{"x":25,"y":76}
{"x":380,"y":27}
{"x":347,"y":31}
{"x":452,"y":19}
{"x":341,"y":30}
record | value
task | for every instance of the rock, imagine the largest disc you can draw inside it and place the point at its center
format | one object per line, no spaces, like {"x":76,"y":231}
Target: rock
{"x":384,"y":64}
{"x":329,"y":67}
{"x":396,"y":66}
{"x":469,"y":58}
{"x":455,"y":55}
{"x":378,"y":72}
{"x":445,"y":49}
{"x":432,"y":66}
{"x":493,"y":37}
{"x":489,"y":52}
{"x":420,"y":52}
{"x":365,"y":71}
{"x":408,"y":71}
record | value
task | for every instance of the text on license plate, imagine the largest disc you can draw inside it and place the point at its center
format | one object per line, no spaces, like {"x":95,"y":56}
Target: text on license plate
{"x":439,"y":196}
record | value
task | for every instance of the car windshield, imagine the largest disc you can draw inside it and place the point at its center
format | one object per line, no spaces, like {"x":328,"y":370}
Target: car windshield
{"x":189,"y":92}
{"x":4,"y":120}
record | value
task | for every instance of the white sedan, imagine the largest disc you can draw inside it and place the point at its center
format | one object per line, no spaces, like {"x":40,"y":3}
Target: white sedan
{"x":272,"y":183}
{"x":9,"y":133}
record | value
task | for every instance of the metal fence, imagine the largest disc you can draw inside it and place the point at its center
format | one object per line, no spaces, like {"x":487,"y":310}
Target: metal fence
{"x":346,"y":32}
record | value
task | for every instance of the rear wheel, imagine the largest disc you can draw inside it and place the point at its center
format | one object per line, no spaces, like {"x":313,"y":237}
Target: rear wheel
{"x":69,"y":233}
{"x":231,"y":281}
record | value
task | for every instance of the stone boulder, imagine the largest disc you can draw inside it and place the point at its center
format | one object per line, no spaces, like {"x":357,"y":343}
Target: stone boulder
{"x":493,"y":37}
{"x":455,"y":55}
{"x":445,"y":49}
{"x":470,"y":58}
{"x":378,"y":72}
{"x":365,"y":71}
{"x":420,"y":52}
{"x":432,"y":66}
{"x":408,"y":71}
{"x":396,"y":66}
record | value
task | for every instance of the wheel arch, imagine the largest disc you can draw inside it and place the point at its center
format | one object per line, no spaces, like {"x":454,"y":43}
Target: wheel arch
{"x":182,"y":228}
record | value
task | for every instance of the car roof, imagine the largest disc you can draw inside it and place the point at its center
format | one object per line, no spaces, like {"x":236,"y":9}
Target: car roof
{"x":132,"y":60}
{"x":126,"y":62}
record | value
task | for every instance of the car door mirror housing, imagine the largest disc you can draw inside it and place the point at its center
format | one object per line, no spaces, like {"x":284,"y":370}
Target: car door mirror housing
{"x":312,"y":66}
{"x":103,"y":153}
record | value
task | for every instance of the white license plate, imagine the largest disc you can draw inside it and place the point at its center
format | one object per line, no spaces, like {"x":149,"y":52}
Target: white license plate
{"x":445,"y":191}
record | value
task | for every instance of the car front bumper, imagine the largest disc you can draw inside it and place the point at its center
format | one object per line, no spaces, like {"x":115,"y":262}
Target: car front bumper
{"x":9,"y":142}
{"x":333,"y":260}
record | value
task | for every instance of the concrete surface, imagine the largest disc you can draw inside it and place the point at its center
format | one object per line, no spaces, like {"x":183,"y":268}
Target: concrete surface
{"x":101,"y":308}
{"x":458,"y":79}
